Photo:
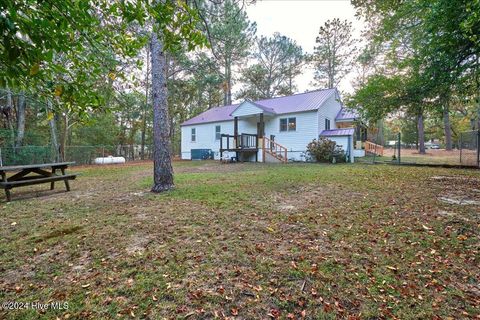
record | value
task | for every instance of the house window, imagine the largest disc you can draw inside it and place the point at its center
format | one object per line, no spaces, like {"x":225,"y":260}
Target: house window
{"x":217,"y":132}
{"x":327,"y":124}
{"x":194,"y":134}
{"x":288,"y":124}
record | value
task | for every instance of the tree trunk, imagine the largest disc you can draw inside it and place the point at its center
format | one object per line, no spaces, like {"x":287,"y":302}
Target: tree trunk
{"x":421,"y":134}
{"x":20,"y":120}
{"x":228,"y":83}
{"x":290,"y":83}
{"x":162,"y":159}
{"x":144,"y":116}
{"x":448,"y":128}
{"x":63,"y":145}
{"x":53,"y":133}
{"x":7,"y":111}
{"x":380,"y":137}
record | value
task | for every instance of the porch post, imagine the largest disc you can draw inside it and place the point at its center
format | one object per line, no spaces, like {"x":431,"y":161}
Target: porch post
{"x":235,"y":131}
{"x":261,"y":129}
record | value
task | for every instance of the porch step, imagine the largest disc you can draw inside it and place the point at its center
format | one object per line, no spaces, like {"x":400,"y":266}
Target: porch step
{"x":270,"y":158}
{"x":274,"y":152}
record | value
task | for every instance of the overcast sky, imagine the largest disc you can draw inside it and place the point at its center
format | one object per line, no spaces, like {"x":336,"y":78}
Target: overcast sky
{"x":301,"y":20}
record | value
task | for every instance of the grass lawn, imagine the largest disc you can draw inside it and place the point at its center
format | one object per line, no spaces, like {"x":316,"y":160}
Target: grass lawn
{"x":247,"y":241}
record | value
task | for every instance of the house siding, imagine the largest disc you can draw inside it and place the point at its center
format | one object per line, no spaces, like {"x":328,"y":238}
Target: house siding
{"x":346,"y":143}
{"x":205,"y":137}
{"x":246,"y":109}
{"x":328,"y":110}
{"x":295,"y":141}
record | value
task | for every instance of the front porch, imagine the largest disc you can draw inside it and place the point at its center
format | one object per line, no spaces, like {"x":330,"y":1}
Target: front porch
{"x":251,"y":146}
{"x":241,"y":145}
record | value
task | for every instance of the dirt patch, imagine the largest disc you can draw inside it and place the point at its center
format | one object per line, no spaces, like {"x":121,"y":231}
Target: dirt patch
{"x":309,"y":196}
{"x":459,"y":201}
{"x":455,"y":178}
{"x":457,"y":190}
{"x":446,"y":213}
{"x":138,"y":244}
{"x":58,"y":233}
{"x":82,"y":264}
{"x":218,"y":167}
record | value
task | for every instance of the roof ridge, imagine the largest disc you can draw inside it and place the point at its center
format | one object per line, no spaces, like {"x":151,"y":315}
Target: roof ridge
{"x":297,"y":94}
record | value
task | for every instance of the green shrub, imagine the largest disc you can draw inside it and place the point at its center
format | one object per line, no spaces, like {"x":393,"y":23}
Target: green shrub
{"x":325,"y":150}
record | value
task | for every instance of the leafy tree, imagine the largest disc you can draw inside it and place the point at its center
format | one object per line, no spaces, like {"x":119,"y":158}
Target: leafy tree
{"x":66,"y":49}
{"x":230,"y":34}
{"x":333,"y":53}
{"x":409,"y":130}
{"x":278,"y":61}
{"x":364,"y":66}
{"x":101,"y":129}
{"x":436,"y":38}
{"x":75,"y":64}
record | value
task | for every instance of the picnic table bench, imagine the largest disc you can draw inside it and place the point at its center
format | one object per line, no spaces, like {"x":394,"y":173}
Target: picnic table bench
{"x":21,"y":176}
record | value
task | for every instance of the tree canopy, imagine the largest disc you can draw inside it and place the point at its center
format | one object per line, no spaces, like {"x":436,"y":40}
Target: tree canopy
{"x":278,"y":60}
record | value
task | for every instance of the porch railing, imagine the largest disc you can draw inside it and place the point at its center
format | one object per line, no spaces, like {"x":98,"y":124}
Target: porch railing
{"x":239,"y":142}
{"x":373,"y":148}
{"x":274,"y":149}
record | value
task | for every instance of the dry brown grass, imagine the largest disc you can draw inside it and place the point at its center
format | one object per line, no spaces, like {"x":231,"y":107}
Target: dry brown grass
{"x":247,"y":241}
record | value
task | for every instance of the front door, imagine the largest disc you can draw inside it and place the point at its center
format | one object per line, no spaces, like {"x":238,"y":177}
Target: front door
{"x":272,"y":139}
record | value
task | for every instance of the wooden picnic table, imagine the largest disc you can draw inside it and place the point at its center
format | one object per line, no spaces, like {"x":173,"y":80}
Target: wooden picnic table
{"x":34,"y":174}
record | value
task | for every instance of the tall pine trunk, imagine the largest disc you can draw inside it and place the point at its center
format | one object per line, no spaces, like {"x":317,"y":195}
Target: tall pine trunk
{"x":162,"y":159}
{"x":448,"y":128}
{"x":228,"y":83}
{"x":20,"y":120}
{"x":144,"y":115}
{"x":421,"y":133}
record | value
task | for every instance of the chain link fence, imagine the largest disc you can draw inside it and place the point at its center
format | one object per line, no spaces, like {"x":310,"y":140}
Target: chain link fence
{"x":469,"y":151}
{"x":465,"y":152}
{"x":81,"y":155}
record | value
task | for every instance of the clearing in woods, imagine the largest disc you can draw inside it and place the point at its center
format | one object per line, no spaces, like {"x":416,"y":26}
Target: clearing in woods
{"x":251,"y":241}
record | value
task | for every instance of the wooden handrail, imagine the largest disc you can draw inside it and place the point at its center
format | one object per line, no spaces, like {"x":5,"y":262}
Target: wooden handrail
{"x":241,"y":141}
{"x":275,"y":149}
{"x":371,"y":147}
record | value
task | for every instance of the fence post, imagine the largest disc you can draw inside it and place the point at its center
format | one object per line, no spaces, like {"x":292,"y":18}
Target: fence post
{"x":399,"y":145}
{"x":1,"y":160}
{"x":478,"y":149}
{"x":461,"y":146}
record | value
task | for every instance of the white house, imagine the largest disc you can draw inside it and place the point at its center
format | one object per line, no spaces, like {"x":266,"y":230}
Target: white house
{"x":270,"y":130}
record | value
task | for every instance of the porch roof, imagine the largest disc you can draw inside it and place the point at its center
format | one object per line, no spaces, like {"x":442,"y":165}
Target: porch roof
{"x":346,"y":115}
{"x":337,"y":132}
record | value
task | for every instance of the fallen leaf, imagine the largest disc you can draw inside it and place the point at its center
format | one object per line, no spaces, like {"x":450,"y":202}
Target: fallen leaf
{"x":34,"y":69}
